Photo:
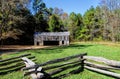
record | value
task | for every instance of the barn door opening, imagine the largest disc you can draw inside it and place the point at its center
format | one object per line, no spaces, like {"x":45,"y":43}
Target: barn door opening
{"x":51,"y":42}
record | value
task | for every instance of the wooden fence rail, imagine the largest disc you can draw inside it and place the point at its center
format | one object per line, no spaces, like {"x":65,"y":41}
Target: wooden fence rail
{"x":56,"y":65}
{"x":56,"y":61}
{"x":104,"y":60}
{"x":105,"y":66}
{"x":80,"y":60}
{"x":112,"y":74}
{"x":13,"y":63}
{"x":8,"y":59}
{"x":49,"y":69}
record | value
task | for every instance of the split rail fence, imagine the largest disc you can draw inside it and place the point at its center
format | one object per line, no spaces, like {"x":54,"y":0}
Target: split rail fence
{"x":52,"y":69}
{"x":48,"y":69}
{"x":41,"y":71}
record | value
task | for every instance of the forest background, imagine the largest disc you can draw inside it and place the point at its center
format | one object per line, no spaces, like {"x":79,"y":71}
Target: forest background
{"x":18,"y":23}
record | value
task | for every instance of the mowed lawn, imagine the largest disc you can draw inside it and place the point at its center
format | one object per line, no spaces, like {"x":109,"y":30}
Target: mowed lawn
{"x":111,"y":51}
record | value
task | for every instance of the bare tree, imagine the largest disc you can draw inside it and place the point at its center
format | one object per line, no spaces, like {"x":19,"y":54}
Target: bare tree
{"x":111,"y":17}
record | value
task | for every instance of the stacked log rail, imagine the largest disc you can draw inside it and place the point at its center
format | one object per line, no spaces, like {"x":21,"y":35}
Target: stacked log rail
{"x":13,"y":63}
{"x":55,"y":66}
{"x":103,"y":66}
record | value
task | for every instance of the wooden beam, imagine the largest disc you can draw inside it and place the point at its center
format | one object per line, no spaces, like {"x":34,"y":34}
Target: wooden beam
{"x":63,"y":68}
{"x":30,"y":63}
{"x":16,"y":64}
{"x":10,"y":68}
{"x":104,"y":60}
{"x":55,"y":66}
{"x":99,"y":66}
{"x":8,"y":59}
{"x":60,"y":43}
{"x":56,"y":61}
{"x":14,"y":61}
{"x":115,"y":75}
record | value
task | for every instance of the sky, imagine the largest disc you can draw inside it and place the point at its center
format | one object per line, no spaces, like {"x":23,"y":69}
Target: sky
{"x":77,"y":6}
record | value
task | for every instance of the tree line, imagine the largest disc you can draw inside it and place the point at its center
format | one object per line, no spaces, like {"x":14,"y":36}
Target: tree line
{"x":20,"y":19}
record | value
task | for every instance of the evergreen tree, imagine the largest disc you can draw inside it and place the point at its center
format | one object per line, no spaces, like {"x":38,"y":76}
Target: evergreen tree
{"x":74,"y":25}
{"x":41,"y":16}
{"x":54,"y":23}
{"x":88,"y":20}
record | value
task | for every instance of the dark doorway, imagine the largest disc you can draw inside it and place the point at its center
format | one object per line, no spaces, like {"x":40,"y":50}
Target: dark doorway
{"x":51,"y":42}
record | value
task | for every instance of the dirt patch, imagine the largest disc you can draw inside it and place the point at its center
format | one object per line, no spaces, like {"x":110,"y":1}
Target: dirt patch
{"x":17,"y":48}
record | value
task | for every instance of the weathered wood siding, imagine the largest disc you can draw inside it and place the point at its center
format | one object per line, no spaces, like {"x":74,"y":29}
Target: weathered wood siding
{"x":40,"y":37}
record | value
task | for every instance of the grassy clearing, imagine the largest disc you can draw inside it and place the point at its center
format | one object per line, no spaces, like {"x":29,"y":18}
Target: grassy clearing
{"x":42,"y":55}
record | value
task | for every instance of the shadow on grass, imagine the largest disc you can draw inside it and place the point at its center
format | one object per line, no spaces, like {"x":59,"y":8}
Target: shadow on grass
{"x":66,"y":47}
{"x":58,"y":49}
{"x":61,"y":76}
{"x":54,"y":49}
{"x":75,"y":71}
{"x":3,"y":51}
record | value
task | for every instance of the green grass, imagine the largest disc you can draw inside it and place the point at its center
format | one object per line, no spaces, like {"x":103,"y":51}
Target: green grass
{"x":42,"y":55}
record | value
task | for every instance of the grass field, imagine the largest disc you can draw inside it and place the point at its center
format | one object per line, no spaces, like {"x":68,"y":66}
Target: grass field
{"x":110,"y":51}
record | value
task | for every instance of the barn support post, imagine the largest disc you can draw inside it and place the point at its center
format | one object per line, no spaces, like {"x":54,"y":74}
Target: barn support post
{"x":35,"y":42}
{"x":40,"y":43}
{"x":67,"y":43}
{"x":60,"y":43}
{"x":82,"y":63}
{"x":64,"y":43}
{"x":41,"y":40}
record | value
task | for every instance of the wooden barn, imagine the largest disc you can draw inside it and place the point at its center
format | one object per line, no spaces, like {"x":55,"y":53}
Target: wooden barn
{"x":61,"y":37}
